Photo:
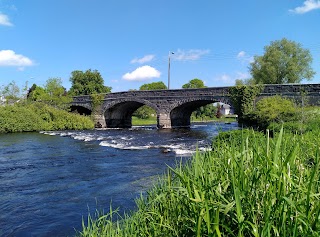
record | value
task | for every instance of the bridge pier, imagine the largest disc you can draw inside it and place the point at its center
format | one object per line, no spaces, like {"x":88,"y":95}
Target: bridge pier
{"x":100,"y":121}
{"x":163,"y":120}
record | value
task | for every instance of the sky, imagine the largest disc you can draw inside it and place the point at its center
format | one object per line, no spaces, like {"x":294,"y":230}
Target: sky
{"x":130,"y":41}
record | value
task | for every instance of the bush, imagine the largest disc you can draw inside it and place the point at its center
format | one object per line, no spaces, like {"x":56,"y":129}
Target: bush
{"x":269,"y":110}
{"x":38,"y":116}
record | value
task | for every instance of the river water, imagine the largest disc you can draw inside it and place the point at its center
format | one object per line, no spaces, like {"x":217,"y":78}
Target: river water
{"x":49,"y":181}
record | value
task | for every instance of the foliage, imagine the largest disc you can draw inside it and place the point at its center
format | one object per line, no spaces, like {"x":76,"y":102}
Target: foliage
{"x":39,"y":116}
{"x":87,"y":83}
{"x":248,"y":82}
{"x":306,"y":119}
{"x":194,"y":83}
{"x":153,"y":86}
{"x":272,"y":109}
{"x":53,"y":94}
{"x":250,"y":185}
{"x":11,"y":91}
{"x":97,"y":100}
{"x":243,"y":98}
{"x":207,"y":111}
{"x":144,"y":112}
{"x":284,"y":61}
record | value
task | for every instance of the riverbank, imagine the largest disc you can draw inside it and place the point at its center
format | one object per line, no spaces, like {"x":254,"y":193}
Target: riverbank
{"x":153,"y":120}
{"x":248,"y":185}
{"x":29,"y":117}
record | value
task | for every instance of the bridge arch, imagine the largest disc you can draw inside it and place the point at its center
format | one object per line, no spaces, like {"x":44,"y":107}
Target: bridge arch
{"x":81,"y":109}
{"x":180,"y":115}
{"x":118,"y":114}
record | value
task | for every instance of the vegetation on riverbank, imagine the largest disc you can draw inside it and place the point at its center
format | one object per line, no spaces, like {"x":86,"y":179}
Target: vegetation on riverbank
{"x":153,"y":120}
{"x":248,"y":185}
{"x":27,"y":117}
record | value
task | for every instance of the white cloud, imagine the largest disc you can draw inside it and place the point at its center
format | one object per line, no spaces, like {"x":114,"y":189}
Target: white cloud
{"x":241,"y":54}
{"x":190,"y":55}
{"x":142,"y":73}
{"x":10,"y":58}
{"x":4,"y":20}
{"x":307,"y":6}
{"x":244,"y":57}
{"x":144,"y":59}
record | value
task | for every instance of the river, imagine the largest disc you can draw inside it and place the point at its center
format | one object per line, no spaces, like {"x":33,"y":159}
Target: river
{"x":49,"y":181}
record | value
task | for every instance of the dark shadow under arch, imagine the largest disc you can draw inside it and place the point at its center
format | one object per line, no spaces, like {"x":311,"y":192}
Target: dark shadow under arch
{"x":80,"y":110}
{"x":120,"y":115}
{"x":181,"y":115}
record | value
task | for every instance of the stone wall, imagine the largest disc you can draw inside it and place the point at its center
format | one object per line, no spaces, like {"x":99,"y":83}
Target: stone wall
{"x":183,"y":101}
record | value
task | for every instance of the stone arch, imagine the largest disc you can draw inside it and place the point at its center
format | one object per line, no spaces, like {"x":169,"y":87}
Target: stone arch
{"x":118,"y":114}
{"x":81,"y":109}
{"x":181,"y":113}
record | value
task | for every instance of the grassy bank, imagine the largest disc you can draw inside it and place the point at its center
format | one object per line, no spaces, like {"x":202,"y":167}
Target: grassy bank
{"x":28,"y":117}
{"x":140,"y":122}
{"x":153,"y":120}
{"x":248,"y":185}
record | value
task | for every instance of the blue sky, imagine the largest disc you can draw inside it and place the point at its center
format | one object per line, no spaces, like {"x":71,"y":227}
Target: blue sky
{"x":128,"y":41}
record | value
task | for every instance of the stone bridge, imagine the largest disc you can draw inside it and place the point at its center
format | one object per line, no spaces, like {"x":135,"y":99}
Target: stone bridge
{"x":174,"y":107}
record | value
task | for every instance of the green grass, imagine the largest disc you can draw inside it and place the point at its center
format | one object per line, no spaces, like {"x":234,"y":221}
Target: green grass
{"x":153,"y":120}
{"x":139,"y":122}
{"x":255,"y":186}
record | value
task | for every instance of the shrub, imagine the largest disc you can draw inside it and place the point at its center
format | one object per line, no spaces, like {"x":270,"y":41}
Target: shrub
{"x":269,"y":110}
{"x":38,"y":116}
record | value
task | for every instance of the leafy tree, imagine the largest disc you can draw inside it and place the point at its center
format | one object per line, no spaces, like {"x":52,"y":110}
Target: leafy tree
{"x":38,"y":93}
{"x":31,"y":89}
{"x":284,"y":61}
{"x":247,"y":82}
{"x":11,"y":91}
{"x":87,"y":83}
{"x":57,"y":94}
{"x":194,"y":83}
{"x":153,"y":86}
{"x":144,"y":112}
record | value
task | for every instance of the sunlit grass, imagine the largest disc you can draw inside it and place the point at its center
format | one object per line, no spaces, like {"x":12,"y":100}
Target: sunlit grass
{"x":140,"y":122}
{"x":248,"y":185}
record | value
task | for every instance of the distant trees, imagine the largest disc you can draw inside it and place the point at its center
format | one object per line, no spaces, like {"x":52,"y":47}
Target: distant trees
{"x":153,"y":86}
{"x":87,"y":83}
{"x":10,"y":91}
{"x":194,"y":83}
{"x":284,"y":61}
{"x":52,"y":93}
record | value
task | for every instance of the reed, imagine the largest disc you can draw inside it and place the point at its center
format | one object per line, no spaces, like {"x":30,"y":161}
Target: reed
{"x":255,"y":186}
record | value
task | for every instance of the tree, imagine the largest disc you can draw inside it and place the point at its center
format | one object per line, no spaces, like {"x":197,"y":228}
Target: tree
{"x":11,"y":91}
{"x":194,"y":83}
{"x":284,"y":61}
{"x":153,"y":86}
{"x":57,"y":94}
{"x":38,"y":93}
{"x":87,"y":83}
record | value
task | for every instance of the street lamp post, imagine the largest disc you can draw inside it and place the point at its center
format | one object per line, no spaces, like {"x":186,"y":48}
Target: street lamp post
{"x":169,"y":69}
